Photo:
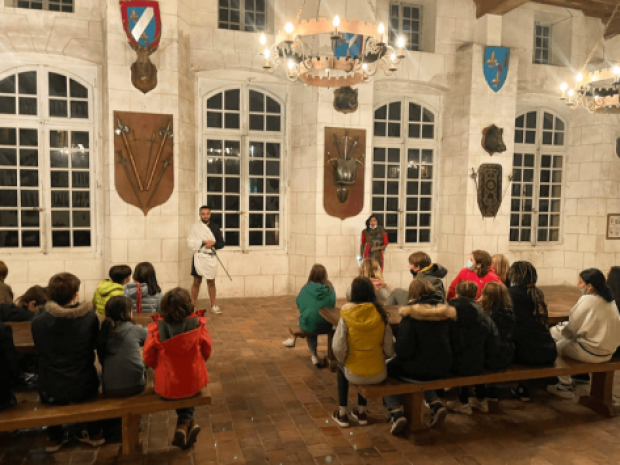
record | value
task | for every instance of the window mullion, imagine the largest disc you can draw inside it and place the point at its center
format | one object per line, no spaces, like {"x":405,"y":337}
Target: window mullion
{"x":402,"y":193}
{"x":244,"y":201}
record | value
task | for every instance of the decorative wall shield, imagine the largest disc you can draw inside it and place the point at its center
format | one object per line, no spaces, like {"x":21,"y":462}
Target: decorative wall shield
{"x":345,"y":100}
{"x":143,"y":158}
{"x":141,"y":22}
{"x":343,"y":176}
{"x":349,"y":46}
{"x":495,"y":66}
{"x":493,"y":140}
{"x":489,"y":189}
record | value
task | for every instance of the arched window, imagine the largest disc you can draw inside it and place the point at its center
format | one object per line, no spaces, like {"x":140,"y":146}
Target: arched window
{"x":243,"y":140}
{"x":45,"y":161}
{"x":538,"y":164}
{"x":404,"y":157}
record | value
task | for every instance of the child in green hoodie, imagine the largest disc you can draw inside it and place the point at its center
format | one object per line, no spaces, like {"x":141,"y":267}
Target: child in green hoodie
{"x":119,"y":276}
{"x":316,"y":294}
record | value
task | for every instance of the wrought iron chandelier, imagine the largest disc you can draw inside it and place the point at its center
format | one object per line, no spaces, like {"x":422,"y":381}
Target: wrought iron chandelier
{"x":358,"y":51}
{"x":597,"y":91}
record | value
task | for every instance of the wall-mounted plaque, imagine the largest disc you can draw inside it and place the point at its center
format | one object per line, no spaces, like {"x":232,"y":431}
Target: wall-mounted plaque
{"x":613,"y":226}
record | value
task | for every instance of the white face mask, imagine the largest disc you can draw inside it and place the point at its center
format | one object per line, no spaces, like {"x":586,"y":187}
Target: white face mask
{"x":470,"y":265}
{"x":584,"y":292}
{"x":373,"y":227}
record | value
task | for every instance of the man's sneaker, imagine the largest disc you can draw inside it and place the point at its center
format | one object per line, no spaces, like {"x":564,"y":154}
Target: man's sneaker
{"x":192,"y":434}
{"x":457,"y":407}
{"x":361,"y":417}
{"x":522,"y":393}
{"x":562,"y":390}
{"x":399,"y":422}
{"x":215,"y":309}
{"x":582,"y":379}
{"x":290,"y":342}
{"x":341,"y":420}
{"x":180,"y":434}
{"x":480,"y":405}
{"x":95,"y":441}
{"x":438,"y":414}
{"x":54,"y":445}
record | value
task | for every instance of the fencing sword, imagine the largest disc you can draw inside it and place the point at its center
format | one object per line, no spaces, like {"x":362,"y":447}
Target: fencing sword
{"x":166,"y":163}
{"x":218,"y":259}
{"x":148,"y":160}
{"x":123,"y":163}
{"x":164,"y":133}
{"x":122,"y":130}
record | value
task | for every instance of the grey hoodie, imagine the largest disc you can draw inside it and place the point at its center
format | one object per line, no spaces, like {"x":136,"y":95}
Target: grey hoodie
{"x":150,"y":303}
{"x":123,"y":367}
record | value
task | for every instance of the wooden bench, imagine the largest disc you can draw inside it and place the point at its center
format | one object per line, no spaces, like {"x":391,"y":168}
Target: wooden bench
{"x":599,"y":400}
{"x":129,"y":409}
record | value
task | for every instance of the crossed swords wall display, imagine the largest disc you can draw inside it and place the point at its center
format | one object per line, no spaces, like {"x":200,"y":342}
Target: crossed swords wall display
{"x":140,"y":180}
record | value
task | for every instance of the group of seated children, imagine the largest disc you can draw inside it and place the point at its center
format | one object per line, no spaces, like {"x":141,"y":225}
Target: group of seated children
{"x":488,"y":320}
{"x":67,"y":334}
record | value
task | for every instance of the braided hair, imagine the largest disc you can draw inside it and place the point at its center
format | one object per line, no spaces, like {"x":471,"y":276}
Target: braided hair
{"x":524,"y":275}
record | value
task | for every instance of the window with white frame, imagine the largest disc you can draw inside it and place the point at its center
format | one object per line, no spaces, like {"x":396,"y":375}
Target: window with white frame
{"x":542,"y":43}
{"x":538,"y":163}
{"x":65,"y":6}
{"x":403,"y":165}
{"x":45,"y":163}
{"x":243,"y":139}
{"x":243,"y":15}
{"x":406,"y":22}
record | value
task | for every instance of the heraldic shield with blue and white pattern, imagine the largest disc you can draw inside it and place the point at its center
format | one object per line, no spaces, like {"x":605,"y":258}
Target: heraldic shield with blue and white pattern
{"x":142,"y":22}
{"x":495,"y":65}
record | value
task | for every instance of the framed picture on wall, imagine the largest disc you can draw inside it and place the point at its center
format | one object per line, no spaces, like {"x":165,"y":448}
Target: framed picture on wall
{"x":613,"y":226}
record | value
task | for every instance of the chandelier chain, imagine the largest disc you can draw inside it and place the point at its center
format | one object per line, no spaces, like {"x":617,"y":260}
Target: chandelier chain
{"x":301,"y":9}
{"x":602,"y":36}
{"x":318,"y":9}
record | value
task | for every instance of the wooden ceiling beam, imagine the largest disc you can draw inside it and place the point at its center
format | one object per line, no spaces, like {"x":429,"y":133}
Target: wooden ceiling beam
{"x":589,"y":7}
{"x":496,"y":7}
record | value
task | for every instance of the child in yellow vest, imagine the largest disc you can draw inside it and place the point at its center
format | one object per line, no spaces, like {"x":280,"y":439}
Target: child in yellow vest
{"x":362,"y":341}
{"x":115,"y":286}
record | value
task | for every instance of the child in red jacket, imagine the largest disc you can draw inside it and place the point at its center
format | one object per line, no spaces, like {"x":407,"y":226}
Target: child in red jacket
{"x":177,"y":347}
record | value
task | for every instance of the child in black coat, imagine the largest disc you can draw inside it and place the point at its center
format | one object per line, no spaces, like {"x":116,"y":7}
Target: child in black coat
{"x":9,"y":367}
{"x":478,"y":341}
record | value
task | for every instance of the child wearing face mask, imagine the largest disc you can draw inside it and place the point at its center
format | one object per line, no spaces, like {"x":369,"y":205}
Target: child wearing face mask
{"x":592,"y":333}
{"x":479,"y":270}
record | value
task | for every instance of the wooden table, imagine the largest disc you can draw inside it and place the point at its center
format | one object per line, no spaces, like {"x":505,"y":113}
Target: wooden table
{"x":22,"y":336}
{"x":560,"y":300}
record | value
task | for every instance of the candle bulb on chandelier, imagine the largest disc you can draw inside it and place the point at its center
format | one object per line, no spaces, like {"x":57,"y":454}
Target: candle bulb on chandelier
{"x":381,"y":31}
{"x":289,"y":28}
{"x":263,"y":42}
{"x":267,"y":54}
{"x":616,"y":72}
{"x":400,"y":43}
{"x":563,"y":88}
{"x":336,"y":23}
{"x":579,"y":77}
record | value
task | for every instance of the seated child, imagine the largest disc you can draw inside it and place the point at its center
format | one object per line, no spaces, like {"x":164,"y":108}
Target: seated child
{"x":119,"y":276}
{"x":65,"y":336}
{"x":533,"y":342}
{"x":177,"y":347}
{"x":118,"y":347}
{"x":9,"y":367}
{"x":316,"y":294}
{"x":6,"y":293}
{"x":421,"y":267}
{"x":144,"y":291}
{"x":362,"y":341}
{"x":425,"y":342}
{"x":25,"y":307}
{"x":478,"y":341}
{"x":496,"y":302}
{"x":371,"y":269}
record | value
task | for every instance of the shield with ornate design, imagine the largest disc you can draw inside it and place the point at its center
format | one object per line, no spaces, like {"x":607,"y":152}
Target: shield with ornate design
{"x":495,"y":65}
{"x":141,"y":22}
{"x":489,"y":189}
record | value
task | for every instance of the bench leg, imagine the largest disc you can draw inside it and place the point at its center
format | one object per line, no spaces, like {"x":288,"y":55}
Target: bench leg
{"x":414,"y":403}
{"x":601,"y":399}
{"x":131,"y":435}
{"x":331,"y":360}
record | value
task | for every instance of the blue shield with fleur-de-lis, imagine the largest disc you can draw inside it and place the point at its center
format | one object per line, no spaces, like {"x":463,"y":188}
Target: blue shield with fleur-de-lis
{"x":495,"y":65}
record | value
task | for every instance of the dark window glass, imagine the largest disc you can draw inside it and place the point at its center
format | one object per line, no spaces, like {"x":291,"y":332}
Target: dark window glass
{"x":9,"y":238}
{"x":81,"y":238}
{"x":7,"y":85}
{"x":31,"y":239}
{"x":57,"y":85}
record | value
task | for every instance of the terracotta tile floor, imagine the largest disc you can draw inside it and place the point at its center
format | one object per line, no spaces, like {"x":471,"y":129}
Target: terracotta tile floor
{"x":271,"y":406}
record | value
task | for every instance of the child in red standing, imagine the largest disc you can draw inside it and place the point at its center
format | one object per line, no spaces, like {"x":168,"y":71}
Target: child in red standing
{"x":177,"y":347}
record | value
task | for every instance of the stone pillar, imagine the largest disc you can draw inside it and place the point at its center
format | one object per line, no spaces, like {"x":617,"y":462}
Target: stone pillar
{"x":130,"y":237}
{"x":472,"y":105}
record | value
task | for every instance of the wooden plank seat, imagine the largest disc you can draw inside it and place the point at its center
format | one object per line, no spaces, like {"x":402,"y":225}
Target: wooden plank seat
{"x":36,"y":414}
{"x":599,"y":400}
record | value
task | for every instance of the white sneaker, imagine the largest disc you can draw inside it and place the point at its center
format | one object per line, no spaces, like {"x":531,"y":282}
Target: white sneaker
{"x":457,"y":407}
{"x":480,"y":405}
{"x":215,"y":309}
{"x":290,"y":342}
{"x":562,"y":390}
